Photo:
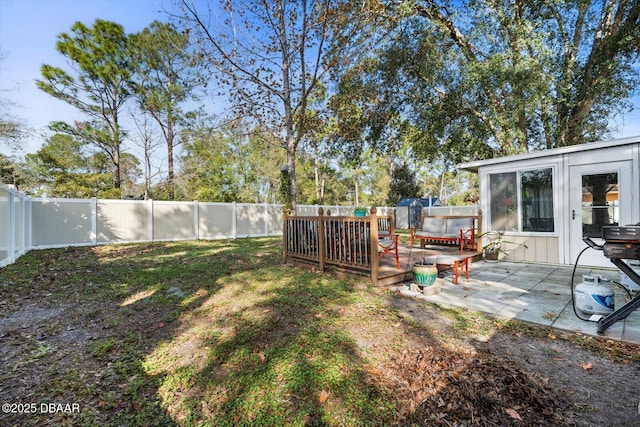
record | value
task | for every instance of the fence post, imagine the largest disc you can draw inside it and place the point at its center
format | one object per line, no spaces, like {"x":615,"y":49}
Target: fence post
{"x":12,"y":226}
{"x":94,"y":221}
{"x":150,"y":203}
{"x":375,"y":261}
{"x":23,"y":224}
{"x":234,"y":221}
{"x":321,"y":238}
{"x":196,"y":219}
{"x":266,"y":219}
{"x":28,"y":225}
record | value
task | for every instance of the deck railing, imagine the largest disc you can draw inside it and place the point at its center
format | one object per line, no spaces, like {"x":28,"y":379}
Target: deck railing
{"x":347,"y":242}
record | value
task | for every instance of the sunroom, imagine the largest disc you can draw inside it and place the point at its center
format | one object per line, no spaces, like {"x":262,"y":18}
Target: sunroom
{"x":546,"y":202}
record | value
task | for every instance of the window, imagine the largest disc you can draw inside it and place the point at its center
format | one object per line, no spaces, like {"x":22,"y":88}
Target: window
{"x":522,"y":201}
{"x":502,"y":187}
{"x":537,"y":200}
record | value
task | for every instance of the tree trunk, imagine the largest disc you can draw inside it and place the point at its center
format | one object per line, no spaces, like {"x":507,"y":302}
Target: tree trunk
{"x":171,"y":177}
{"x":291,"y":163}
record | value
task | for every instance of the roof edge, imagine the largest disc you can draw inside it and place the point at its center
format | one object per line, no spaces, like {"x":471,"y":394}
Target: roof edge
{"x":473,"y":166}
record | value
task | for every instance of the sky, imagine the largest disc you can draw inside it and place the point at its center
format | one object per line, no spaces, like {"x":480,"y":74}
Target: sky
{"x":28,"y":34}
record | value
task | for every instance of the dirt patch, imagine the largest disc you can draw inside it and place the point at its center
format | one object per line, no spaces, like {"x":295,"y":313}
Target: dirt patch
{"x":601,"y":390}
{"x":578,"y":386}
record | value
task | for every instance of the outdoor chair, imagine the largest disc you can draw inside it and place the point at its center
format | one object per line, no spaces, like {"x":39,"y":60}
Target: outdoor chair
{"x":386,"y":244}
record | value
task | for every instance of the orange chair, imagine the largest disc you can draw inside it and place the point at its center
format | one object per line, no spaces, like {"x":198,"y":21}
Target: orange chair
{"x":387,"y":243}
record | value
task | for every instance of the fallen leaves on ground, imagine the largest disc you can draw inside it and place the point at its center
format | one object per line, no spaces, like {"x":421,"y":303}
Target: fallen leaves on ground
{"x":586,"y":366}
{"x":439,"y":387}
{"x":324,"y":395}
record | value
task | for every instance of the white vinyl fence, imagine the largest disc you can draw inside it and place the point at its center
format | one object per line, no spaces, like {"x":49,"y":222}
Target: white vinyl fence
{"x":15,"y":218}
{"x":28,"y":223}
{"x":78,"y":222}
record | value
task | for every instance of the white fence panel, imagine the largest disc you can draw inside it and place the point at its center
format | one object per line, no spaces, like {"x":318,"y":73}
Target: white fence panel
{"x":27,"y":223}
{"x":174,"y":221}
{"x":62,"y":222}
{"x":251,"y":220}
{"x":15,"y":225}
{"x":123,"y":221}
{"x":216,"y":221}
{"x":274,"y":220}
{"x":307,"y":210}
{"x":6,"y":226}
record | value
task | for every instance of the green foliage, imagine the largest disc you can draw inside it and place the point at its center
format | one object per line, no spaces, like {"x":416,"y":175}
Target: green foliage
{"x":61,"y":169}
{"x":9,"y":173}
{"x":165,"y":78}
{"x":101,"y":63}
{"x":227,"y":166}
{"x":284,"y":192}
{"x":473,"y":80}
{"x":403,"y":184}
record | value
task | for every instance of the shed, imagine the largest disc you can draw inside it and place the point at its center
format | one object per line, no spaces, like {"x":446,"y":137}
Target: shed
{"x":550,"y":200}
{"x":408,"y":210}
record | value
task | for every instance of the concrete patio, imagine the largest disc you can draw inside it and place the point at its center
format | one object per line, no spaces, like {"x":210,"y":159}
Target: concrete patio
{"x":534,"y":293}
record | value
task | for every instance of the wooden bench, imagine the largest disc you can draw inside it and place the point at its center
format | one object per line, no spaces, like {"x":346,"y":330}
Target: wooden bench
{"x":452,"y":230}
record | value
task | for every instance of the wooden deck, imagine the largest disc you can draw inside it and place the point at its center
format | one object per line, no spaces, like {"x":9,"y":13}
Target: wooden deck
{"x":351,"y":244}
{"x":388,"y":273}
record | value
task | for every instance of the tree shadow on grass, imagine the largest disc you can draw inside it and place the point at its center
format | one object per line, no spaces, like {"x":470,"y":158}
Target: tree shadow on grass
{"x":276,"y":356}
{"x":106,"y":308}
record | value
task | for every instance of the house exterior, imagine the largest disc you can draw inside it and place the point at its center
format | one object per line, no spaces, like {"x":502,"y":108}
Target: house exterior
{"x":549,"y":200}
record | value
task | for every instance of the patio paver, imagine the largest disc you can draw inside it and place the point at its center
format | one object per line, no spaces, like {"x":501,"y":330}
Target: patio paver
{"x":534,"y":293}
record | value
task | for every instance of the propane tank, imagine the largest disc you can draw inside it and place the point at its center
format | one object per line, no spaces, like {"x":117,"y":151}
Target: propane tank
{"x":592,"y":296}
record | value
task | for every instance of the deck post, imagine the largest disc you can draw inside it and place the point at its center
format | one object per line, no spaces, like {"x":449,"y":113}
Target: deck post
{"x":392,"y":222}
{"x":375,"y":262}
{"x":321,"y":238}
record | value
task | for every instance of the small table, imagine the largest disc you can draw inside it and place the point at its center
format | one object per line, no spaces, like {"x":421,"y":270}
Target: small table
{"x":454,"y":262}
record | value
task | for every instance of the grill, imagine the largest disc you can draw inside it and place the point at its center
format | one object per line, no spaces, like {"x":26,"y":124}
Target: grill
{"x":620,"y":243}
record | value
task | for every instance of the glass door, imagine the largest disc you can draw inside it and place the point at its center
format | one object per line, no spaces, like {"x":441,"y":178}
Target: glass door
{"x":597,"y":200}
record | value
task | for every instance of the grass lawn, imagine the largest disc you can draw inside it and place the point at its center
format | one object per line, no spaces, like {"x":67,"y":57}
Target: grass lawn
{"x":221,"y":333}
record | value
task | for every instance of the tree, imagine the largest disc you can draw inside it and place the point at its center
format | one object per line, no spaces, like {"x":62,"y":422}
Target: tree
{"x":12,"y":128}
{"x":101,"y":62}
{"x":403,"y":184}
{"x":61,"y":169}
{"x":165,"y":79}
{"x":551,"y":72}
{"x":9,"y":171}
{"x":595,"y":65}
{"x":230,"y":164}
{"x":476,"y":79}
{"x":271,"y":57}
{"x":144,"y":137}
